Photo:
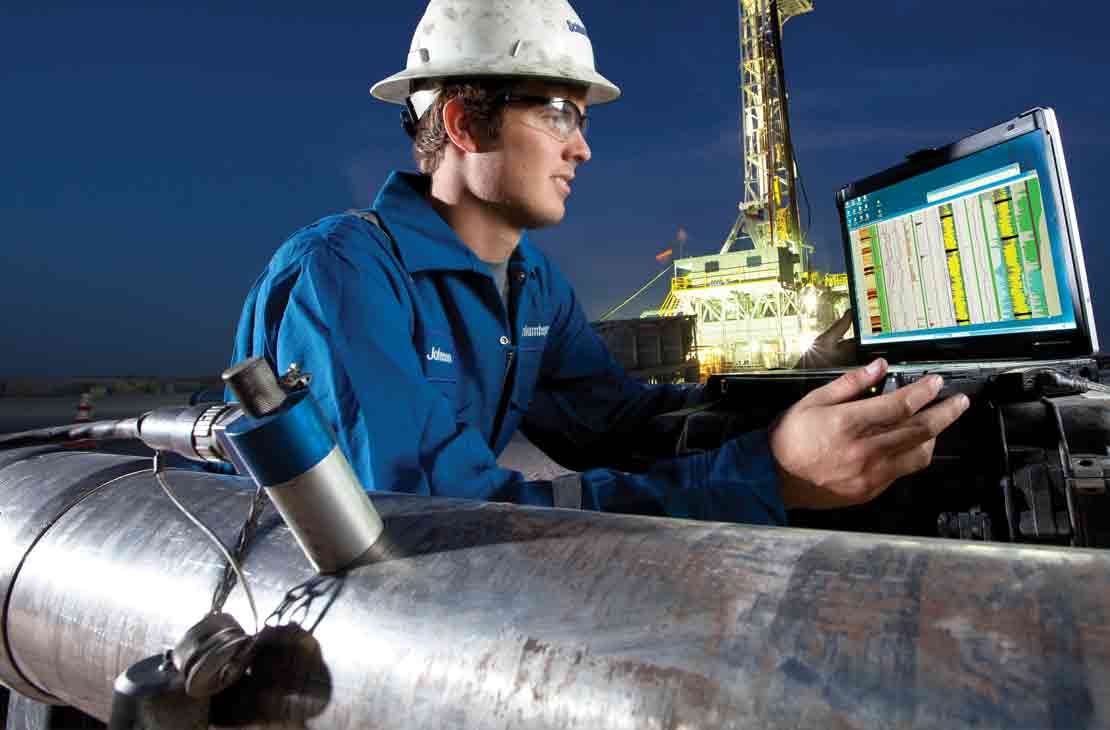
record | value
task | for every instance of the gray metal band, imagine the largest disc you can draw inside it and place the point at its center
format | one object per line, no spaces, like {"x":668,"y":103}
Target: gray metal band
{"x":567,"y":491}
{"x":26,"y":516}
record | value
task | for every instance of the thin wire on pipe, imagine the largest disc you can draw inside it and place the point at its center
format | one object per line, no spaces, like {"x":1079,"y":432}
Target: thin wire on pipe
{"x":158,"y":469}
{"x":246,"y":534}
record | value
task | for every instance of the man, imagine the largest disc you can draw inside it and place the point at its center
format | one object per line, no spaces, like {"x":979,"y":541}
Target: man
{"x":434,"y":329}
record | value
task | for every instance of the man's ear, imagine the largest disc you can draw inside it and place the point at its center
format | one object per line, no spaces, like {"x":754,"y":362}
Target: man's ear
{"x":457,"y":125}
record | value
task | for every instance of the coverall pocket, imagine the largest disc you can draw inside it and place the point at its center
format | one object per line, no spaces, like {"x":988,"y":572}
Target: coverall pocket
{"x":438,"y":364}
{"x":529,"y":361}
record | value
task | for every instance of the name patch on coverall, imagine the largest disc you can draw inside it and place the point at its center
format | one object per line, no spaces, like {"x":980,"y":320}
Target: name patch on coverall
{"x":439,"y":358}
{"x":534,"y":331}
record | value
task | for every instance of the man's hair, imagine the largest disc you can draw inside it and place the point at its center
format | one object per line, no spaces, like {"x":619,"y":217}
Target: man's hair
{"x":479,"y":104}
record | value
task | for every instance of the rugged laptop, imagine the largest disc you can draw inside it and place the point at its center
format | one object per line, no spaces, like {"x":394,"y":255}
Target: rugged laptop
{"x":964,"y":261}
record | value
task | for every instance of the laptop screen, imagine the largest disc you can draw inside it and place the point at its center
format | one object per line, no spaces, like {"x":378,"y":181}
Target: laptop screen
{"x":973,"y":245}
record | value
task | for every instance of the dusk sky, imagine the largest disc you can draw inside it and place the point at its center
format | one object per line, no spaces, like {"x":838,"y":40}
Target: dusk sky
{"x":154,"y":156}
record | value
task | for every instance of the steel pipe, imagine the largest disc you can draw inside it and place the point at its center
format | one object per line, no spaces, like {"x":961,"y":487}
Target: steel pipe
{"x":472,"y":615}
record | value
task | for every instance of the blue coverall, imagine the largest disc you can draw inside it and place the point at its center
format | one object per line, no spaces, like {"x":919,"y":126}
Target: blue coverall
{"x":425,"y":376}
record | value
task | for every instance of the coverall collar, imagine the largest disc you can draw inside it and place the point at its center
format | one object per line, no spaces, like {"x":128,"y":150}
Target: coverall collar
{"x":424,"y":240}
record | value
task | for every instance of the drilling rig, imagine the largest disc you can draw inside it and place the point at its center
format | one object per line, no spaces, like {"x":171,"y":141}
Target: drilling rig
{"x":757,"y":302}
{"x":769,"y":212}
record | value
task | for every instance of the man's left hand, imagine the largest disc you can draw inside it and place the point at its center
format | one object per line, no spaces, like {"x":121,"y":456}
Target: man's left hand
{"x":830,"y":349}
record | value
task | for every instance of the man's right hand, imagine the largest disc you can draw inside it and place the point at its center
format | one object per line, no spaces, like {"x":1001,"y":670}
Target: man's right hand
{"x":833,"y":450}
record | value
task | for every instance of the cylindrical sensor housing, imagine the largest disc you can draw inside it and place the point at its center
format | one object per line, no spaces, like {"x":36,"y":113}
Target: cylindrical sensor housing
{"x":293,"y":454}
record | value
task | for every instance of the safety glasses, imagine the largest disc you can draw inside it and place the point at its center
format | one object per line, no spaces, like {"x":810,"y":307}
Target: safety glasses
{"x":561,"y":116}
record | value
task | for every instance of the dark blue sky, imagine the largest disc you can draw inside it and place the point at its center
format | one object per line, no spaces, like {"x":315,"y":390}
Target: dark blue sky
{"x":154,"y":157}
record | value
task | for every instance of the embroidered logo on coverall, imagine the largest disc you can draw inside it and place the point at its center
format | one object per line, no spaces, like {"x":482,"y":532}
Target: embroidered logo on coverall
{"x":438,"y":355}
{"x":535,"y":331}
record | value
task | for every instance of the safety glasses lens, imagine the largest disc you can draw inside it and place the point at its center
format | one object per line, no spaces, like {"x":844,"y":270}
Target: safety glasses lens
{"x":562,"y":116}
{"x":568,"y":119}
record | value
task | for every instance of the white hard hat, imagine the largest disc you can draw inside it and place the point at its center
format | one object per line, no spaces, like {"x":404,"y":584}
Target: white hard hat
{"x":543,"y":39}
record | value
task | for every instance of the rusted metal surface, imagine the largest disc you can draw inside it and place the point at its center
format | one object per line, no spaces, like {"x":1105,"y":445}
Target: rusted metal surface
{"x":476,"y":615}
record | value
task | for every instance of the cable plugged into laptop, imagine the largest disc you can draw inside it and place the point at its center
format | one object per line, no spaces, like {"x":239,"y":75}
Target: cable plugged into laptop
{"x":1055,"y":380}
{"x":1037,"y":382}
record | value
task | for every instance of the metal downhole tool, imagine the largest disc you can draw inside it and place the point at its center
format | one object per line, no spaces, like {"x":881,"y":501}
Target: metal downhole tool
{"x":287,"y":447}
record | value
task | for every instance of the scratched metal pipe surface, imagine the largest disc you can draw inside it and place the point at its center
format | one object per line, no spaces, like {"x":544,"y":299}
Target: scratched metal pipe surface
{"x":492,"y":616}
